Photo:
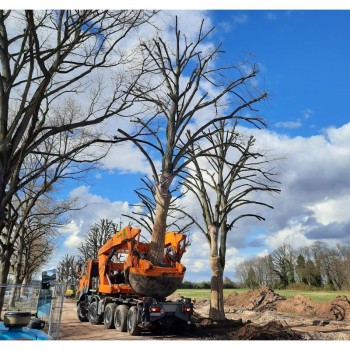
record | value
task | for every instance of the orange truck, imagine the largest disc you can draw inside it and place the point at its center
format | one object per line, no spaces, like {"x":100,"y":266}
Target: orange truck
{"x":123,"y":290}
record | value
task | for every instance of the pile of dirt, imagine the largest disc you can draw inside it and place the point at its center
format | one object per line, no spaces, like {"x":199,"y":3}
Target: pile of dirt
{"x":338,"y":309}
{"x":299,"y":305}
{"x":271,"y":331}
{"x":258,"y":300}
{"x":265,"y":299}
{"x":207,"y":329}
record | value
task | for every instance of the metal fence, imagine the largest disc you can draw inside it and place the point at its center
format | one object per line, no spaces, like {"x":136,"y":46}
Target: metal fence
{"x":45,"y":304}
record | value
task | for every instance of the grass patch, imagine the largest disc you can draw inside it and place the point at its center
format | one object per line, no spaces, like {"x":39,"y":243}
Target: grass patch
{"x":318,"y":296}
{"x":205,"y":293}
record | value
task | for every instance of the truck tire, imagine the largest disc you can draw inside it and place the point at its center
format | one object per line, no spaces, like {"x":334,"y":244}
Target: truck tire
{"x":132,"y":321}
{"x":109,"y":316}
{"x":120,"y":318}
{"x":82,"y":312}
{"x":93,"y":316}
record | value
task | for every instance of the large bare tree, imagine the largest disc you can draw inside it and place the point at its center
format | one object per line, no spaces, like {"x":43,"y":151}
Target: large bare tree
{"x":225,"y":187}
{"x":49,"y":59}
{"x":95,"y":238}
{"x":184,"y":92}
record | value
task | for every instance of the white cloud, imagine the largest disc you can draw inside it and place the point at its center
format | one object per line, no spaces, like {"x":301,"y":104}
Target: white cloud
{"x":263,"y":253}
{"x":332,"y":210}
{"x":340,"y":138}
{"x":294,"y":235}
{"x":241,"y":18}
{"x":73,"y":241}
{"x":289,"y":124}
{"x":93,"y":208}
{"x":72,"y":229}
{"x":126,"y":158}
{"x":314,"y":187}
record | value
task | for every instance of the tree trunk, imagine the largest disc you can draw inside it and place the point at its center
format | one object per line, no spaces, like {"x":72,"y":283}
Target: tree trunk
{"x":17,"y":273}
{"x":216,"y":311}
{"x":4,"y":272}
{"x":163,"y":198}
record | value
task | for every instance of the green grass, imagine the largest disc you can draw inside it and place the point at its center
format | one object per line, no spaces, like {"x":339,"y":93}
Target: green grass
{"x":317,"y":296}
{"x":204,"y":293}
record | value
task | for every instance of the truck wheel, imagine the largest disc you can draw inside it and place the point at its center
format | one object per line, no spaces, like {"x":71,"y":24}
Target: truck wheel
{"x":120,"y":318}
{"x":132,"y":322}
{"x":82,"y":312}
{"x":93,"y":316}
{"x":109,"y":315}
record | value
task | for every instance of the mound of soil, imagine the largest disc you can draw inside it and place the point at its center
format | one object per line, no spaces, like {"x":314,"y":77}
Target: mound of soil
{"x":266,"y":299}
{"x":258,"y":300}
{"x":205,"y":328}
{"x":299,"y":305}
{"x":270,"y":331}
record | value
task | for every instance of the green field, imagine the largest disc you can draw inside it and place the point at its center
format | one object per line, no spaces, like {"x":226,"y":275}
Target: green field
{"x":313,"y":295}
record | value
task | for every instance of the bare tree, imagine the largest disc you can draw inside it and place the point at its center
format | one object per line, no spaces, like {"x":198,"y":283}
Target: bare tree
{"x":334,"y":267}
{"x":97,"y":236}
{"x":36,"y":216}
{"x":68,"y":270}
{"x":33,"y":211}
{"x":318,"y":251}
{"x":263,"y":268}
{"x":315,"y":265}
{"x":225,"y":189}
{"x":185,"y":93}
{"x":283,"y":259}
{"x":46,"y":58}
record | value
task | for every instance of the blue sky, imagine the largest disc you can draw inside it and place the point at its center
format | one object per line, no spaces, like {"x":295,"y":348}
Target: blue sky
{"x":303,"y":59}
{"x":303,"y":56}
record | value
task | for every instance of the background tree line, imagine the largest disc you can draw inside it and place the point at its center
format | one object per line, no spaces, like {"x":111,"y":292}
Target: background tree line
{"x":316,"y":266}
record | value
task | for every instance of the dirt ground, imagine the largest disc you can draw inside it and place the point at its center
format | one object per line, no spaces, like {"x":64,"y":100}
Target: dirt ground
{"x":256,"y":315}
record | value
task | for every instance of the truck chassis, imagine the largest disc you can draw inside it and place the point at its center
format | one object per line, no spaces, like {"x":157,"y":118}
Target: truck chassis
{"x":134,"y":315}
